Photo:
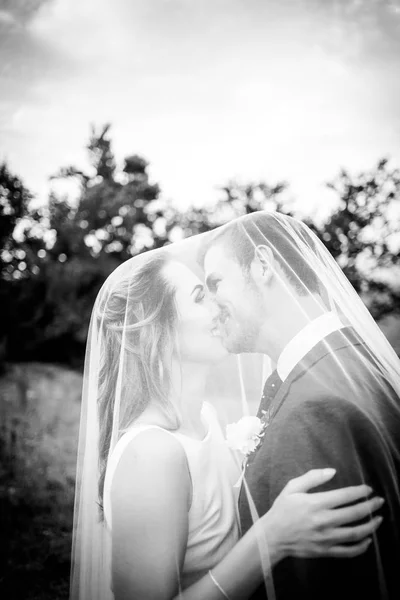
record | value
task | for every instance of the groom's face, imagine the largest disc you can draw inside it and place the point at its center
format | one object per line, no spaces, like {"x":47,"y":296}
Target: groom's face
{"x":237,"y":298}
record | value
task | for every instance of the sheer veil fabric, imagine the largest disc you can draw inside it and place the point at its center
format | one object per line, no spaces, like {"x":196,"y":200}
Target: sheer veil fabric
{"x":124,"y":372}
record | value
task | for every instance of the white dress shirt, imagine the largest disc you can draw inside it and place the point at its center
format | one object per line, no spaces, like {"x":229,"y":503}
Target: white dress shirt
{"x":305,"y":340}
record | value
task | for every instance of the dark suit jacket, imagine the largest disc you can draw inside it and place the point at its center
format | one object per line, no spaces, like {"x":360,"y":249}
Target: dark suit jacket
{"x":334,"y":410}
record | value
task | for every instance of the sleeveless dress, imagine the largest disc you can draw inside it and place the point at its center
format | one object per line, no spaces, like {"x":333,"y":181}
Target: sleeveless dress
{"x":213,"y":516}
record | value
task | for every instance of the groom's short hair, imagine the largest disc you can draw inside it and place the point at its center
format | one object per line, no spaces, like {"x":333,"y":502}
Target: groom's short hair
{"x":241,"y":236}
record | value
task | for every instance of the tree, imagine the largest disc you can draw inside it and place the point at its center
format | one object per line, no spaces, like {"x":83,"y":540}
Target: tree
{"x":74,"y":245}
{"x":14,"y":208}
{"x":14,"y":202}
{"x":118,"y":214}
{"x":54,"y":259}
{"x":237,"y":199}
{"x":116,"y":210}
{"x":362,"y":234}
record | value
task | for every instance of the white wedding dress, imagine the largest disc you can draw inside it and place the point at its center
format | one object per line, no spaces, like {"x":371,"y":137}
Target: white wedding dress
{"x":213,"y":519}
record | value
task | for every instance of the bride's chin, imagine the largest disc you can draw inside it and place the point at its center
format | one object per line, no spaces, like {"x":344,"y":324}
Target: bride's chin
{"x":219,"y":353}
{"x":215,"y":352}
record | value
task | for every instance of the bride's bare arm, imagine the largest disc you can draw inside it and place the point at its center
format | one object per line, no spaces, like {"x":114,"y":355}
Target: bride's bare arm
{"x":150,"y":500}
{"x":151,"y":495}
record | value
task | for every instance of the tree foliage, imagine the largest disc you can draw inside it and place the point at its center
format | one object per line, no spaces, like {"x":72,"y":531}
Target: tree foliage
{"x":14,"y":202}
{"x":55,"y":258}
{"x":116,"y":211}
{"x":363,"y":234}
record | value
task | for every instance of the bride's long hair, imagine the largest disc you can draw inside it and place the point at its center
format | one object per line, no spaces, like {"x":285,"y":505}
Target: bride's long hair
{"x":137,"y":322}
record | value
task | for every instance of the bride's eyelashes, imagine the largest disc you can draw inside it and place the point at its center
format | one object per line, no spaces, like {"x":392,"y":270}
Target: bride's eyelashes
{"x":200,"y":295}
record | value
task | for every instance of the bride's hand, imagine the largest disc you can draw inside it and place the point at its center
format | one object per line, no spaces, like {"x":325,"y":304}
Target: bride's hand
{"x":320,"y":524}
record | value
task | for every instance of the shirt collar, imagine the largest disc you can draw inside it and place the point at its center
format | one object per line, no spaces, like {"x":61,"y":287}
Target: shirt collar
{"x":305,"y":340}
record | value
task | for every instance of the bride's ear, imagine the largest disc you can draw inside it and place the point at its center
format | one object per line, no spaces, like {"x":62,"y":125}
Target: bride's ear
{"x":262,"y":264}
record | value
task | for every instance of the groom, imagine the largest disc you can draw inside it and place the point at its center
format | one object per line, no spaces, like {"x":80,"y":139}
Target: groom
{"x":327,"y":404}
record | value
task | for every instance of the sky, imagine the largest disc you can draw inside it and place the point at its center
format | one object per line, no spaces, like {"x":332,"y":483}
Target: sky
{"x":207,"y":91}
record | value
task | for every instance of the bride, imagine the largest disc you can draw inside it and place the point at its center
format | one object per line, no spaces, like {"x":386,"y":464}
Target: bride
{"x":155,"y":513}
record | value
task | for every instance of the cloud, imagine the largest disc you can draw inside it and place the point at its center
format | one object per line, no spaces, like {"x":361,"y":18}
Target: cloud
{"x":206,"y":90}
{"x":7,"y":19}
{"x":20,"y":11}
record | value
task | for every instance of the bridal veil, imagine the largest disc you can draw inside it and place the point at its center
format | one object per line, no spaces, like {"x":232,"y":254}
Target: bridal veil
{"x":127,"y":360}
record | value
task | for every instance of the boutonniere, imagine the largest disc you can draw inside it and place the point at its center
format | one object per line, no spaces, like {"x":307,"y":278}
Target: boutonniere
{"x":245,"y":435}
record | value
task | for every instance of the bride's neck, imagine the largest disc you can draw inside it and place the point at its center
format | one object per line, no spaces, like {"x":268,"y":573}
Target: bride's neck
{"x":188,"y":393}
{"x":189,"y":389}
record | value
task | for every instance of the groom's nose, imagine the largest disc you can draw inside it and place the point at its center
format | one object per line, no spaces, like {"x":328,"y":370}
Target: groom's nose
{"x":211,"y":304}
{"x":214,"y":308}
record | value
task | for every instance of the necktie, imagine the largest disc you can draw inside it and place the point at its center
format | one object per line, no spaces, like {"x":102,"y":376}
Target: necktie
{"x":271,"y":387}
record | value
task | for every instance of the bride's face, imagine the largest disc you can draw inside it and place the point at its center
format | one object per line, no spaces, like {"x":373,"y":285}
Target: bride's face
{"x":199,"y":339}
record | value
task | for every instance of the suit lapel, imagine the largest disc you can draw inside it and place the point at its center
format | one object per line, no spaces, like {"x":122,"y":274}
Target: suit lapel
{"x":332,"y":343}
{"x":265,"y":404}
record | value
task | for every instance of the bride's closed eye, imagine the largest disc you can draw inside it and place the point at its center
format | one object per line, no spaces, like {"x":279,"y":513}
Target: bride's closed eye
{"x":200,"y":295}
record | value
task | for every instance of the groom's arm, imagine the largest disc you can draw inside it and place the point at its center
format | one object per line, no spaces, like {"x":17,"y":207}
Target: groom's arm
{"x":318,"y":433}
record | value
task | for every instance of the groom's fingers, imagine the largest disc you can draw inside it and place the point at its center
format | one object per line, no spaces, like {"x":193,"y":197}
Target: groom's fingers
{"x":342,"y":496}
{"x":351,"y":535}
{"x":357,"y":512}
{"x":309,"y":480}
{"x":349,"y":551}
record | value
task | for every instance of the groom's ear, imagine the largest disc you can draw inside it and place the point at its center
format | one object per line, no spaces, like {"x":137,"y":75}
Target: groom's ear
{"x":262,"y":264}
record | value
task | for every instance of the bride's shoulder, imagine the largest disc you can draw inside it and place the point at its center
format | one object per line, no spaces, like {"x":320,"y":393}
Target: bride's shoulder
{"x":210,"y":416}
{"x":152,"y":475}
{"x":152,"y":447}
{"x":208,"y":410}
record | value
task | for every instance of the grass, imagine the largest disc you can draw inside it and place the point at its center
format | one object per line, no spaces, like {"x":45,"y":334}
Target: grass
{"x":39,"y":423}
{"x":39,"y":417}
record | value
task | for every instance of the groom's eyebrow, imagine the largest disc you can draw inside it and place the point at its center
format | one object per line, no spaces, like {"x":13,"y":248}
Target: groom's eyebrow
{"x":211,"y":279}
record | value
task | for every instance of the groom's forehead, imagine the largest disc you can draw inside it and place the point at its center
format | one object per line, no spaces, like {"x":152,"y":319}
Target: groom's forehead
{"x":216,"y":254}
{"x":220,"y":258}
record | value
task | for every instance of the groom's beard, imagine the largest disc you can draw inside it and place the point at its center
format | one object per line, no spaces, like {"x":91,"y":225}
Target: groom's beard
{"x":242,"y":339}
{"x":241,"y":335}
{"x":242,"y":330}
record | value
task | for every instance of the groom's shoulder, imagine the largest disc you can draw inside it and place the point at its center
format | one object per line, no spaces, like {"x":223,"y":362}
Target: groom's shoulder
{"x":313,"y":398}
{"x":345,"y":373}
{"x":312,"y":401}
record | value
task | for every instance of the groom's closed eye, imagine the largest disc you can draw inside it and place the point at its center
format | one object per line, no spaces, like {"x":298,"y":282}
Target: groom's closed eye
{"x":212,"y":282}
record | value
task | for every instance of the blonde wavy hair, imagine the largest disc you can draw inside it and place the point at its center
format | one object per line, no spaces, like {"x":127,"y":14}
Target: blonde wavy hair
{"x":138,"y":318}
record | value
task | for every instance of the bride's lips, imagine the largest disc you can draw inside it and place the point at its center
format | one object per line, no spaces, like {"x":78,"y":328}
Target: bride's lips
{"x":215,"y":329}
{"x":224,"y":315}
{"x":220,"y":324}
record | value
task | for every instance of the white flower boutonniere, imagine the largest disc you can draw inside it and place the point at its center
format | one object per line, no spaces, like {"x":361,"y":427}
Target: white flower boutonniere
{"x":245,"y":435}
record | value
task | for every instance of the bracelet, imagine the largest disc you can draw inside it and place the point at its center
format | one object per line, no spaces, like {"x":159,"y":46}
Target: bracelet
{"x":215,"y":582}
